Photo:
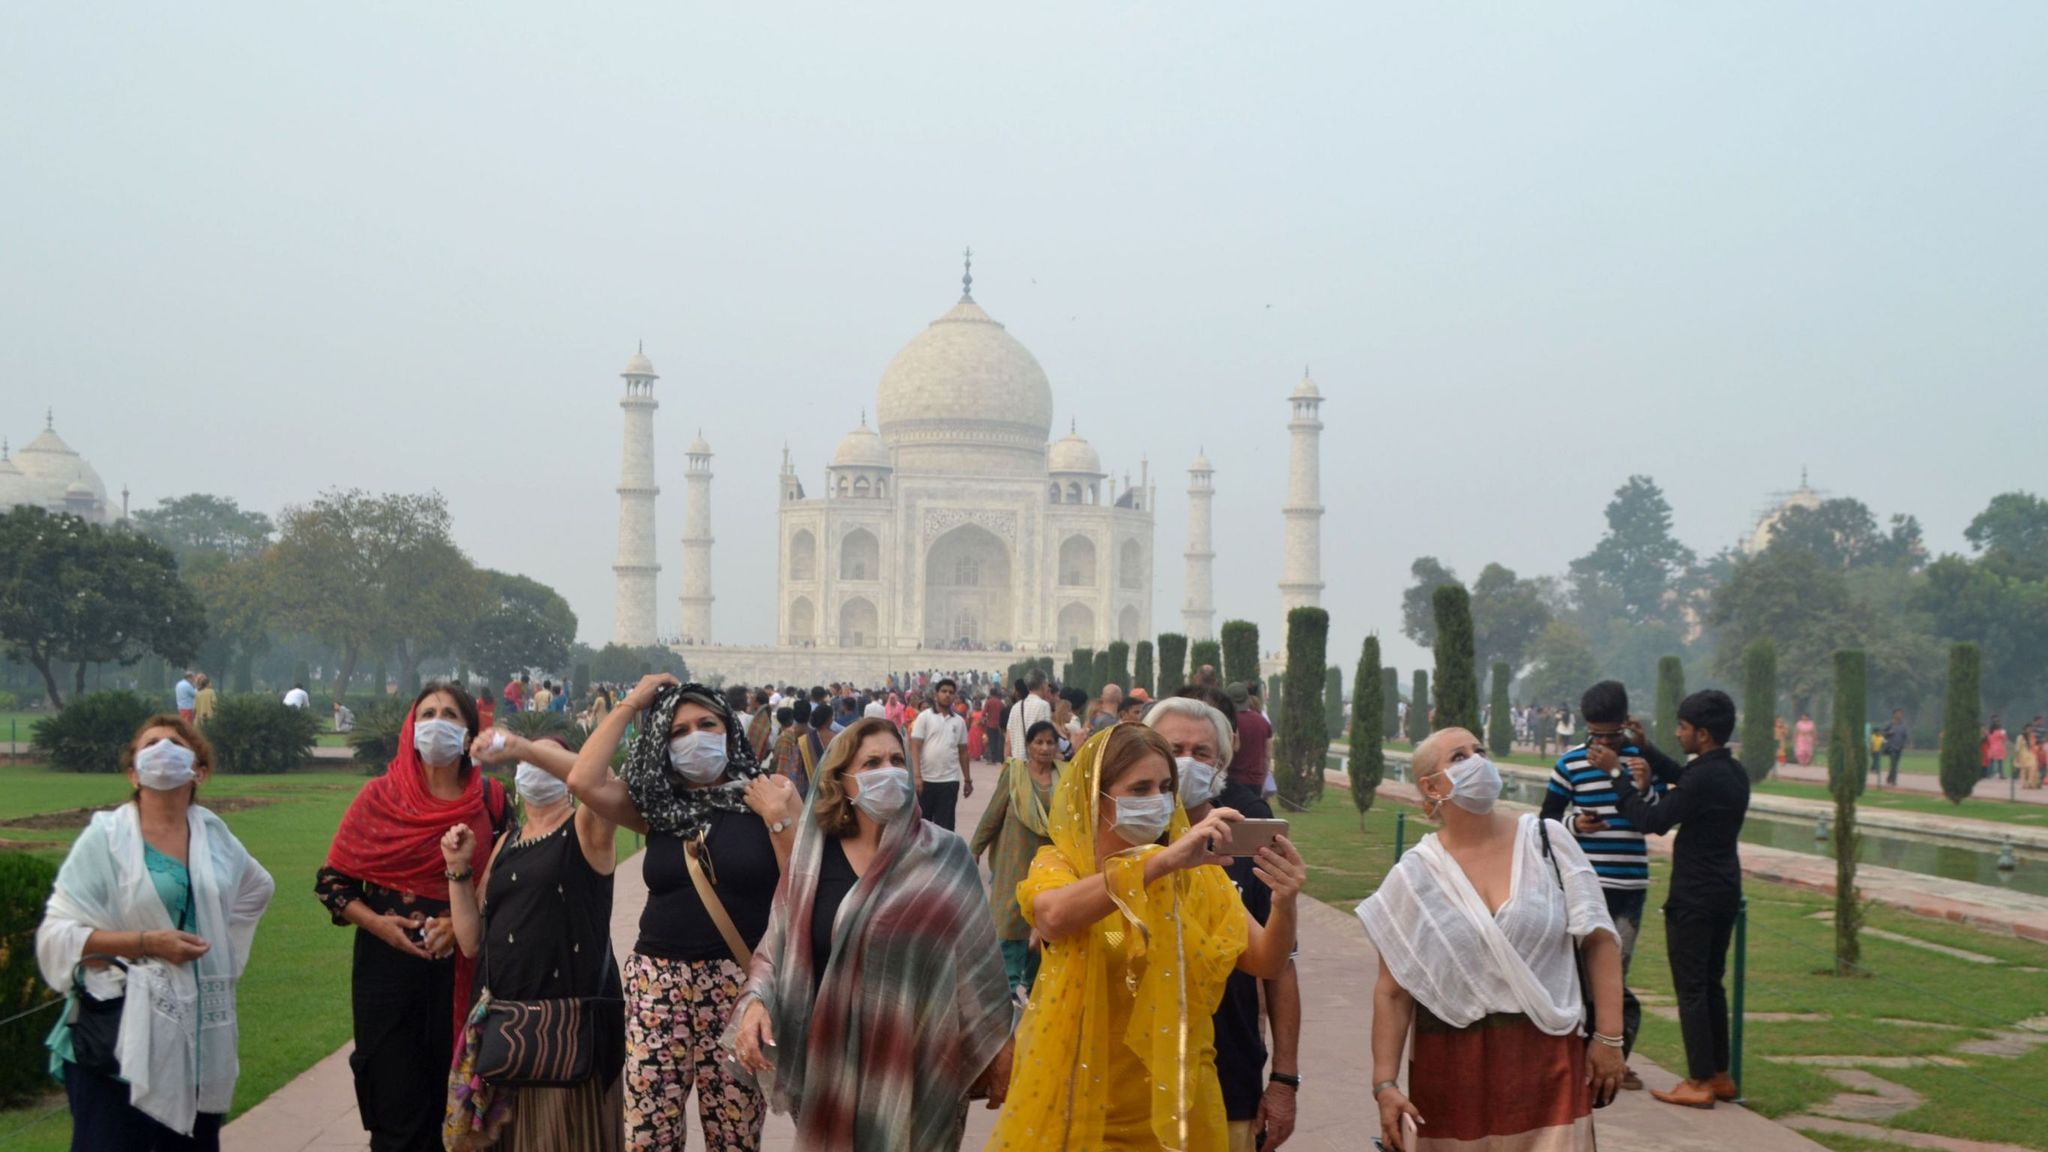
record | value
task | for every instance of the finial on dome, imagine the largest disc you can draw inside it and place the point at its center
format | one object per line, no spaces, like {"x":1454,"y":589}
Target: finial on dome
{"x":1073,"y":426}
{"x":49,"y":419}
{"x":967,"y":277}
{"x":863,"y":415}
{"x":1802,"y":475}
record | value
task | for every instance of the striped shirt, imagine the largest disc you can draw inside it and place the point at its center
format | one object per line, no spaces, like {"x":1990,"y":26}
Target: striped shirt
{"x":1618,"y":853}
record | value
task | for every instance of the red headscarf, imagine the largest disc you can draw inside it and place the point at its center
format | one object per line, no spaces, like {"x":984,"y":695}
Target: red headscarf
{"x":391,"y":837}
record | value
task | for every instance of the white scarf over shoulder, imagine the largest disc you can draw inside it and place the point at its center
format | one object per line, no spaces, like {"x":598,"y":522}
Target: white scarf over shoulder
{"x":1462,"y":962}
{"x":177,"y":1044}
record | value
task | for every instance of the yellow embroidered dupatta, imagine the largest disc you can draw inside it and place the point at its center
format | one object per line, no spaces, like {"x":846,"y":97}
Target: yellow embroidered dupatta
{"x":1174,"y":944}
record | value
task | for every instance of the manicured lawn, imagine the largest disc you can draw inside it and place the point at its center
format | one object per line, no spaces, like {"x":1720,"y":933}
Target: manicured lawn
{"x":293,"y":1002}
{"x":2002,"y":811}
{"x":1916,"y":1002}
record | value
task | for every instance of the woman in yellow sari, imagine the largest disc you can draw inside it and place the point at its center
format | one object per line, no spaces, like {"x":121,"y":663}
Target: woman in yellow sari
{"x":1116,"y":1051}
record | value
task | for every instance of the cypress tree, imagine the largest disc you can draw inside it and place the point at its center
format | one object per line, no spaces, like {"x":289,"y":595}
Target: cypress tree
{"x":1390,"y":704}
{"x":1367,"y":764}
{"x":1084,"y":672}
{"x":1961,"y":723}
{"x":1240,"y":652}
{"x":1670,"y":690}
{"x":1204,"y":652}
{"x":1500,"y":721}
{"x":1333,"y":701}
{"x":1173,"y":662}
{"x":1457,"y":687}
{"x":1305,"y":739}
{"x":1847,"y":762}
{"x":1418,"y":708}
{"x":1067,"y":674}
{"x":1142,"y":673}
{"x":1119,"y":654}
{"x":1759,"y":708}
{"x":1100,"y":677}
{"x":1275,"y":689}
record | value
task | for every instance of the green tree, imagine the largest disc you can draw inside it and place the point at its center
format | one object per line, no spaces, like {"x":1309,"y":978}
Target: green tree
{"x":1333,"y":700}
{"x":1084,"y":672}
{"x":1843,"y":534}
{"x":1847,"y":757}
{"x":1304,"y":737}
{"x":1367,"y":764}
{"x":1804,"y":607}
{"x":1457,"y":683}
{"x":1173,"y":662}
{"x":201,"y":524}
{"x":1204,"y":654}
{"x":1390,"y":703}
{"x":1119,"y":654}
{"x":1563,"y":664}
{"x":1759,"y":708}
{"x":1670,"y":690}
{"x":80,"y":594}
{"x":1240,"y":652}
{"x":1638,"y":561}
{"x":524,"y":624}
{"x":1142,"y":674}
{"x":623,"y":663}
{"x":1500,"y":720}
{"x":1100,"y":676}
{"x":1962,"y":723}
{"x":1418,"y":615}
{"x":2013,"y":529}
{"x":1418,"y":708}
{"x":1508,"y":614}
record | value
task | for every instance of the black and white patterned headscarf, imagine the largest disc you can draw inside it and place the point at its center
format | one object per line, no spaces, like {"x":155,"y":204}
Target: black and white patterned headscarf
{"x":663,"y":798}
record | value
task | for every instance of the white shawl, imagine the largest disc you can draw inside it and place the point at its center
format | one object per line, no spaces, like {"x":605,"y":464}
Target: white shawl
{"x":177,"y":1045}
{"x":1462,"y":962}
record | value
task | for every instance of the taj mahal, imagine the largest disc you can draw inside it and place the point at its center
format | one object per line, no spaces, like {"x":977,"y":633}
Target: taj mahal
{"x":954,"y":533}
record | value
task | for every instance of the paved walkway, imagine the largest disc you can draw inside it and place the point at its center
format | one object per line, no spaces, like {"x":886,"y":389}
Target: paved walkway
{"x":316,"y":1112}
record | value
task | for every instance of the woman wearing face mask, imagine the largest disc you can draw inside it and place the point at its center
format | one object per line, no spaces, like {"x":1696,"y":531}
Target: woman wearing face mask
{"x":541,"y":932}
{"x":1012,"y":830}
{"x":1140,"y":934}
{"x":1475,"y":929}
{"x":879,"y":973}
{"x":386,"y":876}
{"x":154,"y":909}
{"x":717,"y":823}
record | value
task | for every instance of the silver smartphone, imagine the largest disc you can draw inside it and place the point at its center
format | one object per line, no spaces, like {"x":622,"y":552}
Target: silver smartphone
{"x":1248,"y":836}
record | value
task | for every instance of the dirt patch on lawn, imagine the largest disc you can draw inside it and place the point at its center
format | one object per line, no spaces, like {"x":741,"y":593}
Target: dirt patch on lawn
{"x":80,"y":817}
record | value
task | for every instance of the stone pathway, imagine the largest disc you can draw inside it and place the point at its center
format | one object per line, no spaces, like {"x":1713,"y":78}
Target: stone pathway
{"x":316,"y":1112}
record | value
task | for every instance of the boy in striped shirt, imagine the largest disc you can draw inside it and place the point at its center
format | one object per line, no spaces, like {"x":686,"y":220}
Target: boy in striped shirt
{"x":1582,"y":779}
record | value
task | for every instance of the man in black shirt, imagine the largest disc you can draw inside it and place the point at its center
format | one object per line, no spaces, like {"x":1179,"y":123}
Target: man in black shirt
{"x":1707,"y":805}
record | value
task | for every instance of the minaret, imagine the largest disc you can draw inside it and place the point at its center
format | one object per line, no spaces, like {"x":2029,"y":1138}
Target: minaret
{"x":697,"y":544}
{"x":633,"y":612}
{"x":1198,"y":615}
{"x":1301,"y":574}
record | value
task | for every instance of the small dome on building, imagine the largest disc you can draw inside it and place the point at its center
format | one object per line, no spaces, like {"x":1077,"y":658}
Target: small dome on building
{"x":1307,"y":387}
{"x":699,"y":446}
{"x":53,"y":470}
{"x":1201,"y":463}
{"x":861,"y":448}
{"x":639,"y":365}
{"x":1070,"y":453}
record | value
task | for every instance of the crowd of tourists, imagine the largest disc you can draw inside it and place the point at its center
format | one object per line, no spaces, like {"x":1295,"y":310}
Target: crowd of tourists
{"x":819,"y":940}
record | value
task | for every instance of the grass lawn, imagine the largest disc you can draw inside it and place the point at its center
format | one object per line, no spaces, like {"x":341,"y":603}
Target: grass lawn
{"x":1917,"y":1002}
{"x":2002,"y":811}
{"x":294,"y":1001}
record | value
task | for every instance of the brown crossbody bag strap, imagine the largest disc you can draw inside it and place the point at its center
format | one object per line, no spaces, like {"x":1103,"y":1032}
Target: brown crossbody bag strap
{"x":716,"y":907}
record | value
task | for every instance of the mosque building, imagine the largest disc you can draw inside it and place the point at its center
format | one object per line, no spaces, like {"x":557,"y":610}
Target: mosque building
{"x":47,"y":474}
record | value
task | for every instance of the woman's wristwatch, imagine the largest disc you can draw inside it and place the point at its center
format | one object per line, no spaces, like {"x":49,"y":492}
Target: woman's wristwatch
{"x":1382,"y":1086}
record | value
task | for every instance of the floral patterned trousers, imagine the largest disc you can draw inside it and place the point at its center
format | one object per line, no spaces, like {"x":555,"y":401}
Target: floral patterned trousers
{"x":675,"y":1013}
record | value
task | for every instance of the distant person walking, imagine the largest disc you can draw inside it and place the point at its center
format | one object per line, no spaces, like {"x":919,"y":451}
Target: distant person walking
{"x":1897,"y":735}
{"x":1994,"y":750}
{"x":1803,"y":734}
{"x":938,"y":757}
{"x":186,"y":691}
{"x":205,"y":701}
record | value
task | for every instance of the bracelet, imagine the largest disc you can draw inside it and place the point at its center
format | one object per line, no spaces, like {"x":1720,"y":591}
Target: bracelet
{"x":142,"y":945}
{"x":1382,"y":1086}
{"x":1284,"y":1078}
{"x":458,"y":876}
{"x":1610,"y":1041}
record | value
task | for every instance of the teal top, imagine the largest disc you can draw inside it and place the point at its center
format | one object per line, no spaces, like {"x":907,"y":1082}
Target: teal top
{"x":173,"y":883}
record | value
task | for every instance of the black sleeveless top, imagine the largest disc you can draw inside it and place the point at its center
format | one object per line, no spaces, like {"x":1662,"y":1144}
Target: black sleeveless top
{"x":547,"y":921}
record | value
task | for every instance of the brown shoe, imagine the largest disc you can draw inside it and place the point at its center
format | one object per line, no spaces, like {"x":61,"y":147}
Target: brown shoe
{"x":1690,"y":1093}
{"x":1723,"y":1086}
{"x":1630,"y":1081}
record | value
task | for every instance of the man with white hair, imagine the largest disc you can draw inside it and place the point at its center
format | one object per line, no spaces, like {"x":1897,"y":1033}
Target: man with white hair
{"x":1199,"y":730}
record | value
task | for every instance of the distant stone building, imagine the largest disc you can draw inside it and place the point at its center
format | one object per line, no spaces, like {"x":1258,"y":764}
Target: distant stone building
{"x":46,"y":473}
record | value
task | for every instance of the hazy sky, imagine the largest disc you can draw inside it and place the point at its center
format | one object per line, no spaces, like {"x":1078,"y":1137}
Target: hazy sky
{"x":264,"y":249}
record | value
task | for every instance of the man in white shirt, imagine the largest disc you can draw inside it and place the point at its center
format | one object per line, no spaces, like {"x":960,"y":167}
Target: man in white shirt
{"x":297,"y":697}
{"x":1035,"y":706}
{"x":938,"y":757}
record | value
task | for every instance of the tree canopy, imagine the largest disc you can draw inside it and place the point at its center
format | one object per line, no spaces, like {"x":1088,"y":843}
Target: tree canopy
{"x":524,"y":624}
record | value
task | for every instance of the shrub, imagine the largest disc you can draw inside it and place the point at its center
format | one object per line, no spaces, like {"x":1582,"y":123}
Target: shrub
{"x":1368,"y":762}
{"x":25,"y":883}
{"x":1500,"y":720}
{"x":1847,"y":756}
{"x":1173,"y":662}
{"x":1848,"y":751}
{"x":1083,"y":676}
{"x":1240,"y":652}
{"x":1101,"y":677}
{"x":1759,"y":708}
{"x":1333,"y":701}
{"x":9,"y":702}
{"x":1304,"y":738}
{"x":260,"y":734}
{"x":1670,"y":690}
{"x":534,"y":725}
{"x":1141,"y":673}
{"x":89,"y":734}
{"x":1390,"y":714}
{"x":375,"y":738}
{"x":1418,"y":708}
{"x":1960,"y":765}
{"x":1119,"y":659}
{"x":1457,"y":681}
{"x":1204,"y":652}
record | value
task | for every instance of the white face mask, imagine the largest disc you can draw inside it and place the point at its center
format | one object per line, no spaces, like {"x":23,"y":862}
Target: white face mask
{"x":699,"y":757}
{"x":1143,"y":820}
{"x":439,"y":742}
{"x":165,"y":765}
{"x":537,"y":788}
{"x":884,"y":792}
{"x":1475,"y":784}
{"x":1200,"y":782}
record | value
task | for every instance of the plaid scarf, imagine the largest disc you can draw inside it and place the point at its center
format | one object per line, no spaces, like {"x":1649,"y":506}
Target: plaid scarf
{"x":664,"y":800}
{"x":913,"y":1005}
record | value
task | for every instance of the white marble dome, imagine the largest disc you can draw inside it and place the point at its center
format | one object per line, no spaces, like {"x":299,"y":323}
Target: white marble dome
{"x":861,"y":448}
{"x":639,"y":365}
{"x":57,"y":474}
{"x":965,"y":382}
{"x":699,"y":446}
{"x":1070,"y":453}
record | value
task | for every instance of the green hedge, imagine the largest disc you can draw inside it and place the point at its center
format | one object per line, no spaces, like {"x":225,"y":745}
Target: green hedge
{"x":1173,"y":662}
{"x":1203,"y":652}
{"x":261,"y":734}
{"x":534,"y":725}
{"x":25,"y":883}
{"x":91,"y":732}
{"x":1368,"y":761}
{"x":375,"y":738}
{"x":1141,"y":673}
{"x":1759,"y":708}
{"x":1240,"y":652}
